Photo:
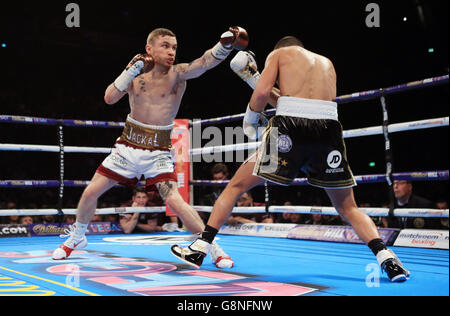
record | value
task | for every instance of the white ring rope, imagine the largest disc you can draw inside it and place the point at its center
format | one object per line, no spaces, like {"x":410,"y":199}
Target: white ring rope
{"x":374,"y":212}
{"x":54,"y":149}
{"x":70,"y":211}
{"x":369,"y":131}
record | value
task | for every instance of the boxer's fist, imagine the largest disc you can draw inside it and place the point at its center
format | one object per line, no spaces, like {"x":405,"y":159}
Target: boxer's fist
{"x":244,"y":65}
{"x":141,"y":64}
{"x":236,"y":38}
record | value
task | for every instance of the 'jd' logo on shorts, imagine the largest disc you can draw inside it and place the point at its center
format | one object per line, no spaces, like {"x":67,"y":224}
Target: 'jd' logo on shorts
{"x":334,"y":159}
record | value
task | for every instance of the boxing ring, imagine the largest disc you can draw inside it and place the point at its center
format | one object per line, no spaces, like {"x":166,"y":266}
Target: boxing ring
{"x":265,"y":265}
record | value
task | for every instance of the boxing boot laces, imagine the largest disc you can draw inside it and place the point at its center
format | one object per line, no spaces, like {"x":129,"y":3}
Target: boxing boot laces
{"x":193,"y":254}
{"x":219,"y":257}
{"x":392,"y":265}
{"x":72,"y":243}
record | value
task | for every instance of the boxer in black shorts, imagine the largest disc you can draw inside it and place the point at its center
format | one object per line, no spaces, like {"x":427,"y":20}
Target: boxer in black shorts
{"x":315,"y":147}
{"x":305,"y":135}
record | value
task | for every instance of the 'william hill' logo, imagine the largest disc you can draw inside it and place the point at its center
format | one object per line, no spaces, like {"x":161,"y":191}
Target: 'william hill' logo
{"x":40,"y":229}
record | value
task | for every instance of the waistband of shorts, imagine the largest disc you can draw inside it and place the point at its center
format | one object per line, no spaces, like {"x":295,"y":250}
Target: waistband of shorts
{"x":143,"y":136}
{"x":154,"y":127}
{"x":307,"y":108}
{"x":120,"y":141}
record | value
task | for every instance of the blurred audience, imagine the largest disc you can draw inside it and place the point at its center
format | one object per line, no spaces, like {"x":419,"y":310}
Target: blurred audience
{"x":209,"y":194}
{"x":296,"y":218}
{"x":146,"y":222}
{"x":334,"y":220}
{"x":139,"y":222}
{"x":48,"y":219}
{"x":246,"y":200}
{"x":404,"y":198}
{"x":13,"y":220}
{"x":315,"y":219}
{"x":442,"y":223}
{"x":69,"y":219}
{"x":26,"y":220}
{"x":284,"y":218}
{"x":97,"y":219}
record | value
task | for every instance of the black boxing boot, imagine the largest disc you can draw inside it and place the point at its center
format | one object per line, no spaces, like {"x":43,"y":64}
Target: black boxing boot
{"x":193,"y":254}
{"x":393,"y":267}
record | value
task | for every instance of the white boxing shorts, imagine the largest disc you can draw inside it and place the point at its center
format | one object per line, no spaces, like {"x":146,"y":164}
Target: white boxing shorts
{"x":142,"y":150}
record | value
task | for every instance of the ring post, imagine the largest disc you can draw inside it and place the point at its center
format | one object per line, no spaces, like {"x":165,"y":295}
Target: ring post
{"x":267,"y":198}
{"x":388,"y":154}
{"x":181,"y":149}
{"x":61,"y":169}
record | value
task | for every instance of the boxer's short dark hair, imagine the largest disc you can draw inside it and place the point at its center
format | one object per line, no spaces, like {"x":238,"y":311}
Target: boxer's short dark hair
{"x":159,"y":32}
{"x":289,"y":41}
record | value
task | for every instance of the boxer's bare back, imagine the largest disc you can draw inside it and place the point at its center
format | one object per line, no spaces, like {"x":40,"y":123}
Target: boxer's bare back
{"x":304,"y":74}
{"x":299,"y":73}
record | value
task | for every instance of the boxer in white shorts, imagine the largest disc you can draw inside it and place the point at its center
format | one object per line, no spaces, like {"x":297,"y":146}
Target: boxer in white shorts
{"x":142,"y":150}
{"x":155,"y":87}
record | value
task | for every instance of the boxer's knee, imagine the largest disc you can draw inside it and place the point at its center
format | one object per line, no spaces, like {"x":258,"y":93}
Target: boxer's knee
{"x":343,"y":201}
{"x":237,"y":186}
{"x":346,"y":212}
{"x":244,"y":180}
{"x":90,"y":195}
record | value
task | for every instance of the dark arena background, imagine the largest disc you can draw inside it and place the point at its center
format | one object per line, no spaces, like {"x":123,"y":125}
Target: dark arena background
{"x":55,"y":66}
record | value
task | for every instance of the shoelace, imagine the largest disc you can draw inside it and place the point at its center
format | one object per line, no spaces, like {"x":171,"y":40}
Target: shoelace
{"x":68,"y":231}
{"x":397,"y":261}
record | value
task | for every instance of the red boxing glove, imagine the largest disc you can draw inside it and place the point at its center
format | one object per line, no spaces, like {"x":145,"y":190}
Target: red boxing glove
{"x":236,"y":38}
{"x":147,"y":63}
{"x":140,"y":64}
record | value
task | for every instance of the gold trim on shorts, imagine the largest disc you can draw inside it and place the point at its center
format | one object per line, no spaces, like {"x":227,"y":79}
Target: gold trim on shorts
{"x":274,"y":178}
{"x":146,"y":137}
{"x":260,"y":155}
{"x":333,"y":184}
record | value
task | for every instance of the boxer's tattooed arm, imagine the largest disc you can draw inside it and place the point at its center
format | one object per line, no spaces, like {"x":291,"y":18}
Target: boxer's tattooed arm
{"x":165,"y":189}
{"x":182,"y":68}
{"x":196,"y":68}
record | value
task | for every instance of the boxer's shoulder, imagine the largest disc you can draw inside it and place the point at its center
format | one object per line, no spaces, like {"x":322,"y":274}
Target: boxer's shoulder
{"x":180,"y":71}
{"x":180,"y":68}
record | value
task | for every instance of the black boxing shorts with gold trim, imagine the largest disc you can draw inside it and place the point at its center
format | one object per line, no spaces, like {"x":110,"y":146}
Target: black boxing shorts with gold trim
{"x":305,"y":136}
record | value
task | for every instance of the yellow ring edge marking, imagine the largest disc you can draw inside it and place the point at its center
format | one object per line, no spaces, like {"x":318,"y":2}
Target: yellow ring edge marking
{"x":50,"y":281}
